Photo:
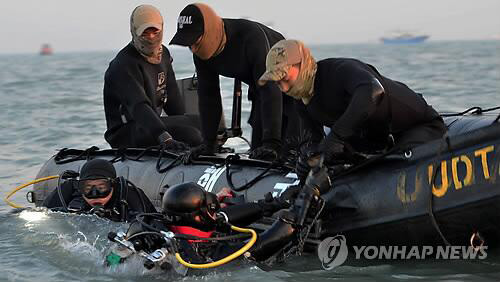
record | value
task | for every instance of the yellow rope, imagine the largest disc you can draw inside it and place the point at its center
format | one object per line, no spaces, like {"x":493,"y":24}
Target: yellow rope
{"x":6,"y":199}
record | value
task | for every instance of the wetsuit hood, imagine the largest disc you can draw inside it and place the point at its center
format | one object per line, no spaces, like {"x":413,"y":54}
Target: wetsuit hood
{"x":192,"y":204}
{"x":97,"y":168}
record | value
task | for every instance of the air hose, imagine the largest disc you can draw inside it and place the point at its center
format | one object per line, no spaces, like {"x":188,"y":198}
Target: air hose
{"x":226,"y":259}
{"x":6,"y":199}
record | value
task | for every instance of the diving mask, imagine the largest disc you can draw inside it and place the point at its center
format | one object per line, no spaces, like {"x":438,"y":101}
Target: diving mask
{"x":95,"y":188}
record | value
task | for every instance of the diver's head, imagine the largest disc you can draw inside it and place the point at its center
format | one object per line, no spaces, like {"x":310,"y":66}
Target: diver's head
{"x":290,"y":64}
{"x":97,"y":178}
{"x":194,"y":206}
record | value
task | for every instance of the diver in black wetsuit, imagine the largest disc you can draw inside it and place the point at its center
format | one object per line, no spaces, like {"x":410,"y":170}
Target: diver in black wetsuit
{"x":235,"y":48}
{"x":100,"y":192}
{"x":139,"y":85}
{"x":365,"y":110}
{"x":189,"y":205}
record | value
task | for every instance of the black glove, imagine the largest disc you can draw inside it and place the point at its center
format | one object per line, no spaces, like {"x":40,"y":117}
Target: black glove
{"x":203,"y":149}
{"x":270,"y":205}
{"x":269,"y":151}
{"x":317,"y":183}
{"x":333,"y":148}
{"x":175,"y":146}
{"x":319,"y":179}
{"x":290,"y":193}
{"x":307,"y":151}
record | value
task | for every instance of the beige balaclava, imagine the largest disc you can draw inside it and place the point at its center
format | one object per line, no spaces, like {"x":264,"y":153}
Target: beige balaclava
{"x":281,"y":57}
{"x":142,"y":18}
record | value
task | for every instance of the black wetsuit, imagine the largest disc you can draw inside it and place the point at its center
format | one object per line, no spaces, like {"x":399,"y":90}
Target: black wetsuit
{"x":269,"y":242}
{"x":135,"y":93}
{"x":123,"y":205}
{"x":273,"y":117}
{"x":343,"y":100}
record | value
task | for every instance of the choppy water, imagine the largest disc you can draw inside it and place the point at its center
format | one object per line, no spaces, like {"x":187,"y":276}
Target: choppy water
{"x":52,"y":102}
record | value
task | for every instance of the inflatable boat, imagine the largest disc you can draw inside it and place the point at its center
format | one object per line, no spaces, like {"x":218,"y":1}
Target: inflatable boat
{"x":443,"y":192}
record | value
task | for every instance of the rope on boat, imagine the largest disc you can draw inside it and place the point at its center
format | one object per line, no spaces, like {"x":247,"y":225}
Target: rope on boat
{"x":84,"y":155}
{"x":252,"y":182}
{"x":265,"y":173}
{"x":473,"y":111}
{"x":121,"y":154}
{"x":446,"y":139}
{"x":177,"y":160}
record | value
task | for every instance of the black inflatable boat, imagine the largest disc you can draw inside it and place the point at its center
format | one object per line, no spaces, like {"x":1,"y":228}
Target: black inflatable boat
{"x":446,"y":190}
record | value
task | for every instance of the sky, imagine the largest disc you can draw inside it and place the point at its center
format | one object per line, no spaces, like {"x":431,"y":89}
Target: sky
{"x":87,"y":25}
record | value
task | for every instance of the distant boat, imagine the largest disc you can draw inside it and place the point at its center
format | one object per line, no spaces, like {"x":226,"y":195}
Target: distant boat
{"x":46,"y":50}
{"x":404,"y":38}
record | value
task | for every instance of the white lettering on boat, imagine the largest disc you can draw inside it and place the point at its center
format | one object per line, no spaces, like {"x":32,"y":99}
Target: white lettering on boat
{"x":281,"y":187}
{"x":210,"y":177}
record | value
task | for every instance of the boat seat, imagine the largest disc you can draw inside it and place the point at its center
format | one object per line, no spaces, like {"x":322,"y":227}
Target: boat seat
{"x":463,"y":124}
{"x":188,"y":88}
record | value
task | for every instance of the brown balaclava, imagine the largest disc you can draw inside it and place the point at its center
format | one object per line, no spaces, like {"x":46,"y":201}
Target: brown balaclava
{"x":213,"y":39}
{"x":142,"y":18}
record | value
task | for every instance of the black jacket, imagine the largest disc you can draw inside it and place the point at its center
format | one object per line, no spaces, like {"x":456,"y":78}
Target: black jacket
{"x":343,"y":100}
{"x":135,"y":201}
{"x":244,"y":58}
{"x":135,"y":92}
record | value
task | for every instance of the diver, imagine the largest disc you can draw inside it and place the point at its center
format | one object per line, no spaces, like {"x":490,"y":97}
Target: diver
{"x":209,"y":240}
{"x":365,"y":111}
{"x":235,"y":48}
{"x":98,"y":191}
{"x":142,"y":102}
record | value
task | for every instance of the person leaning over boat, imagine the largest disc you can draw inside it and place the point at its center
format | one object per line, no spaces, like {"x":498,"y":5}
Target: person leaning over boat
{"x":98,"y":191}
{"x":362,"y":107}
{"x":139,"y":85}
{"x":235,"y":48}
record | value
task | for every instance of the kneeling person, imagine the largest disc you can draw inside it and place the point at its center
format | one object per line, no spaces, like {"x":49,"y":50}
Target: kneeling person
{"x":142,"y":102}
{"x":99,"y":191}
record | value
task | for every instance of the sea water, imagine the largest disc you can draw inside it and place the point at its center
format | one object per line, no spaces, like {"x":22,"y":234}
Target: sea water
{"x":52,"y":102}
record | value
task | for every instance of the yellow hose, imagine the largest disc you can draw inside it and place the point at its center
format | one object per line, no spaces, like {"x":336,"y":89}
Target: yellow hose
{"x":6,"y":199}
{"x":228,"y":258}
